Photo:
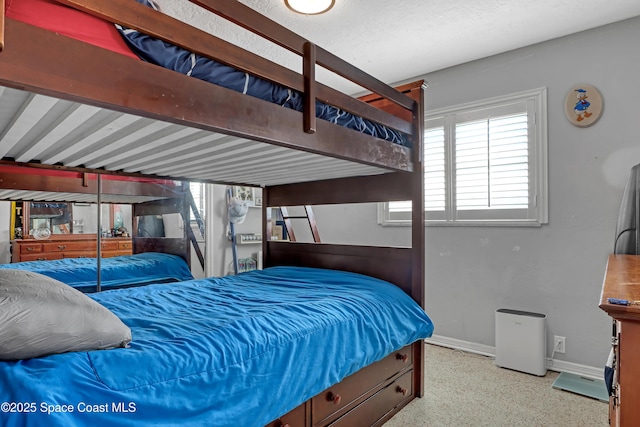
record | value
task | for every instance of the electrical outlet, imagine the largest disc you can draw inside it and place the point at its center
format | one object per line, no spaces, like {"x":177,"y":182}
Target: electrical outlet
{"x":558,"y":344}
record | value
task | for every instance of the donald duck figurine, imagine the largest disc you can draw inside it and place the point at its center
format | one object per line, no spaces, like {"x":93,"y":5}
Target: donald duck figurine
{"x":582,"y":106}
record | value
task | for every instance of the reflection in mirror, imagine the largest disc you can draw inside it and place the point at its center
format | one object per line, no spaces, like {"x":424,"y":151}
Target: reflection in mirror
{"x":146,"y":224}
{"x":47,"y":218}
{"x":57,"y":223}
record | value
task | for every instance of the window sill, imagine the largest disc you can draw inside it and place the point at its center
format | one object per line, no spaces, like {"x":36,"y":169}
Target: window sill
{"x":527,"y":224}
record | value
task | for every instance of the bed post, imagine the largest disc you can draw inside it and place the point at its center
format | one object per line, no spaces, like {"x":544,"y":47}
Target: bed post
{"x":417,"y":227}
{"x":309,"y":71}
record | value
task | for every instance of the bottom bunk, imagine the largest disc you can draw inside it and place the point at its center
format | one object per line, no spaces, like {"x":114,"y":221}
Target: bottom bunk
{"x":238,"y":350}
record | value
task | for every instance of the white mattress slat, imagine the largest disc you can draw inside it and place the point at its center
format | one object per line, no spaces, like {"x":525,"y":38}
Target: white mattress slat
{"x":32,"y":111}
{"x":78,"y":114}
{"x":92,"y":139}
{"x":148,"y":131}
{"x":176,"y":142}
{"x":204,"y":156}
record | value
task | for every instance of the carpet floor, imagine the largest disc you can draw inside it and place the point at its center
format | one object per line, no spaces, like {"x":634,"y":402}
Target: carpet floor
{"x":466,"y":389}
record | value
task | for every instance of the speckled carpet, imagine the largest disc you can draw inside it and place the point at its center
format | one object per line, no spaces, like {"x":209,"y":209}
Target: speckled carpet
{"x":466,"y":389}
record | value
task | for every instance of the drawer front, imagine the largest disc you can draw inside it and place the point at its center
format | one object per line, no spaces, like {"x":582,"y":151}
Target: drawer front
{"x":371,"y":411}
{"x":111,"y":254}
{"x":295,"y":418}
{"x":79,"y":254}
{"x":40,"y":257}
{"x":69,"y":246}
{"x":109,"y":246}
{"x":125,"y":245}
{"x":30,"y":248}
{"x":329,"y":404}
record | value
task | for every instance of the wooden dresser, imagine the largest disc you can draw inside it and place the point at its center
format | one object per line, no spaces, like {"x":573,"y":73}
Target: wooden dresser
{"x":622,"y":281}
{"x":362,"y":399}
{"x":68,"y":246}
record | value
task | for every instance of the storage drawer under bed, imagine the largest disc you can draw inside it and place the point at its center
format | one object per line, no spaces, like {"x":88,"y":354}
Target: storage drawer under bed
{"x":295,"y":418}
{"x":337,"y":399}
{"x":372,"y":411}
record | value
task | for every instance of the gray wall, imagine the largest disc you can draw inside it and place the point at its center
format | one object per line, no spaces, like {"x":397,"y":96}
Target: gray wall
{"x":220,"y":246}
{"x":556,"y":269}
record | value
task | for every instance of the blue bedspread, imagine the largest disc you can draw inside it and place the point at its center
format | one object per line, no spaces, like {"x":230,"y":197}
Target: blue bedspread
{"x":233,"y":351}
{"x":175,"y":58}
{"x":126,"y":270}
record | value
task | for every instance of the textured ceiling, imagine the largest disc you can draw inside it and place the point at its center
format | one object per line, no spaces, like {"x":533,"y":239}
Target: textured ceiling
{"x":401,"y":39}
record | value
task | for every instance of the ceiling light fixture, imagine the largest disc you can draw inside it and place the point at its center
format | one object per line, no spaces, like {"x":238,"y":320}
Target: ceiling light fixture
{"x":309,"y":7}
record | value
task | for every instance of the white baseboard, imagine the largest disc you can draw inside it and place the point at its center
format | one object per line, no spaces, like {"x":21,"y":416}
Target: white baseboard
{"x":575,"y":368}
{"x":469,"y":346}
{"x":490,"y":351}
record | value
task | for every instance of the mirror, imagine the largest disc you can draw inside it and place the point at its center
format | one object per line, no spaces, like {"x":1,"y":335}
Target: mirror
{"x":46,"y":214}
{"x":53,"y":215}
{"x":45,"y":218}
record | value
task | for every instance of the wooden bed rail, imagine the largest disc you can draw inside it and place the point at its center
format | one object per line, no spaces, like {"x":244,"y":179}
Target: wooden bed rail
{"x":387,"y":263}
{"x":31,"y":178}
{"x":144,"y":19}
{"x":253,"y":21}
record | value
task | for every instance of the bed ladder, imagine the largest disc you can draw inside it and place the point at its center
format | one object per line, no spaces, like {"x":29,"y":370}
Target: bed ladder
{"x":311,"y":219}
{"x":193,"y":208}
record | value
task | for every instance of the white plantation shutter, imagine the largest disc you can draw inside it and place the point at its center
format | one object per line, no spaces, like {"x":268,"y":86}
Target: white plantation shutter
{"x":434,"y":174}
{"x":492,"y":163}
{"x":484,"y":163}
{"x":434,"y":169}
{"x":197,"y":191}
{"x":396,"y":207}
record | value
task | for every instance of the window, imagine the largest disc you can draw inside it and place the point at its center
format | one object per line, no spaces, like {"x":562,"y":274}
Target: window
{"x":485,"y":164}
{"x":198,"y":193}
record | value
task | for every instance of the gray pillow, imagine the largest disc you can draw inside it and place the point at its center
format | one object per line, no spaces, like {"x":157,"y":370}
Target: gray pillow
{"x":40,"y":315}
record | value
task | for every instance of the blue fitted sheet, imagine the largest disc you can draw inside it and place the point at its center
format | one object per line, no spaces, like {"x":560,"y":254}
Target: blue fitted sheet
{"x":125,"y":270}
{"x":175,"y":58}
{"x":233,"y":351}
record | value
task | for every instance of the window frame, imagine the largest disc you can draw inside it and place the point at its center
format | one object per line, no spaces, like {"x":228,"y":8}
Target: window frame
{"x":536,"y":214}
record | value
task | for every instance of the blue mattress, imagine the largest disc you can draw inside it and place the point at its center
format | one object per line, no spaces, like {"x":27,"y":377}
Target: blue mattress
{"x":233,"y":351}
{"x":126,"y":270}
{"x":175,"y":58}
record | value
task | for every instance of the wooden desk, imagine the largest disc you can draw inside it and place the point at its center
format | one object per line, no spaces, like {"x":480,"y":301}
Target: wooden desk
{"x":622,"y":280}
{"x":68,"y":246}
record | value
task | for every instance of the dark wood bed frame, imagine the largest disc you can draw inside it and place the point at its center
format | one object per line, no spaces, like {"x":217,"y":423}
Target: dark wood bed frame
{"x":40,"y":61}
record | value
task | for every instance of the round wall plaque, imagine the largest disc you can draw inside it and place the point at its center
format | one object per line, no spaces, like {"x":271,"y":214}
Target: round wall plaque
{"x":583,"y":105}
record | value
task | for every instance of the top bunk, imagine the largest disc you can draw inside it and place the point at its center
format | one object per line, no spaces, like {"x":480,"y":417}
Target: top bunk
{"x":92,"y":105}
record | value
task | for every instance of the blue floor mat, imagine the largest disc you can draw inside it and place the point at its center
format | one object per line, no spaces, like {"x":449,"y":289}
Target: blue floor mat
{"x":578,"y":384}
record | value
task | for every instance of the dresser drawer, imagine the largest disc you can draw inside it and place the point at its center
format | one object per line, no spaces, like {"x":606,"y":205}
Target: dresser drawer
{"x":372,"y":410}
{"x":30,"y":248}
{"x":125,"y":245}
{"x":109,"y":245}
{"x":336,"y":399}
{"x":79,"y":254}
{"x":69,"y":246}
{"x":295,"y":418}
{"x":111,"y":254}
{"x":40,"y":256}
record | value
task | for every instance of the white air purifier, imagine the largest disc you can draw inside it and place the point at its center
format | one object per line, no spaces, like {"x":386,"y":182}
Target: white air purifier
{"x":521,"y":341}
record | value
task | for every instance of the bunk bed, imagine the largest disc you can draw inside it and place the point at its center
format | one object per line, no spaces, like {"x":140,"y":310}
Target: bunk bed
{"x":133,"y":118}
